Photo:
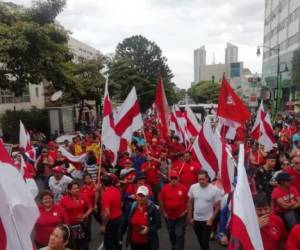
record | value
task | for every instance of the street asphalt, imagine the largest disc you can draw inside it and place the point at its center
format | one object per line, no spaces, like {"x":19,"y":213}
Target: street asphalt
{"x":191,"y":242}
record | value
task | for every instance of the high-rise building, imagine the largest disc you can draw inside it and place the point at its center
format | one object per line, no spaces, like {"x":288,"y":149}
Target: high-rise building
{"x":199,"y":60}
{"x":231,"y":53}
{"x":281,"y":33}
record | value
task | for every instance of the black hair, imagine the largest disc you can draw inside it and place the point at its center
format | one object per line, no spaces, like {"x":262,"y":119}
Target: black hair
{"x":45,"y":193}
{"x":106,"y":181}
{"x":204,"y":172}
{"x":67,"y":234}
{"x":260,"y":200}
{"x":85,"y":175}
{"x":72,"y":183}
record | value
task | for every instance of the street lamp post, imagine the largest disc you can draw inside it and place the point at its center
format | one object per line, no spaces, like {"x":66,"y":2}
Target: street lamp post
{"x":276,"y":94}
{"x":278,"y":75}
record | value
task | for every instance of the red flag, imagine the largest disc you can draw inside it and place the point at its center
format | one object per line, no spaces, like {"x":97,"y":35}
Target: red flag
{"x":128,"y":119}
{"x":230,"y":106}
{"x":162,"y":108}
{"x":262,"y":129}
{"x":244,"y":228}
{"x":18,"y":210}
{"x":109,"y":138}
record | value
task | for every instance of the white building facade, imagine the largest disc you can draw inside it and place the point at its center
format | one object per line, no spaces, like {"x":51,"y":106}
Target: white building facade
{"x":231,"y":53}
{"x":33,"y":96}
{"x":281,"y":32}
{"x":199,"y":60}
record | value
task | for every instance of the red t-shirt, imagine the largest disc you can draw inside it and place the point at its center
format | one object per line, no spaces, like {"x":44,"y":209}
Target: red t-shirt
{"x":189,"y":173}
{"x":75,"y":207}
{"x":295,"y":177}
{"x":111,"y":199}
{"x":89,"y":191}
{"x":47,"y":221}
{"x":174,"y":199}
{"x":287,"y":195}
{"x":150,"y":169}
{"x":52,"y":154}
{"x":129,"y":177}
{"x":139,"y":218}
{"x":293,"y":242}
{"x":274,"y":233}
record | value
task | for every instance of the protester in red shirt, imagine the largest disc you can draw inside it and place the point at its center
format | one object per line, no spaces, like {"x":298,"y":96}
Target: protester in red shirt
{"x":52,"y":151}
{"x":188,"y":170}
{"x":176,"y":148}
{"x":272,"y":227}
{"x":293,"y":242}
{"x":294,"y":172}
{"x":173,"y":204}
{"x":127,"y":174}
{"x":111,"y":213}
{"x":78,"y":210}
{"x":130,"y":192}
{"x":286,"y":200}
{"x":142,"y":222}
{"x":151,"y":169}
{"x":50,"y":216}
{"x":88,"y":190}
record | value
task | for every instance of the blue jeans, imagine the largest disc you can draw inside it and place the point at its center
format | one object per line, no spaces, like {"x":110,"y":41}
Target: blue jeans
{"x":176,"y":229}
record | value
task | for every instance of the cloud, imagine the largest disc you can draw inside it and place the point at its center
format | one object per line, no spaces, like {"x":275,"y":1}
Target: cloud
{"x":177,"y":26}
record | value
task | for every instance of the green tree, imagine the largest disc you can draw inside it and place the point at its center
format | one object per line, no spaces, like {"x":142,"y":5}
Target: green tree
{"x":33,"y":47}
{"x":204,"y":92}
{"x":33,"y":119}
{"x":296,"y":69}
{"x":138,"y":62}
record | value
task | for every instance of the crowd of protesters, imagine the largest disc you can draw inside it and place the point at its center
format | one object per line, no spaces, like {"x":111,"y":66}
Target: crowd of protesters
{"x":158,"y":179}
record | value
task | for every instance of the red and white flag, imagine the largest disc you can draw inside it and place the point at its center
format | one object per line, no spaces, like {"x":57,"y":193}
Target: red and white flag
{"x":72,"y":158}
{"x":178,"y":125}
{"x":203,"y":149}
{"x":162,"y":108}
{"x":262,"y":129}
{"x":226,"y":162}
{"x":192,"y":125}
{"x":24,"y":138}
{"x":245,"y":232}
{"x":25,"y":144}
{"x":28,"y":178}
{"x":109,"y":138}
{"x":129,"y":118}
{"x":231,"y":108}
{"x":18,"y":210}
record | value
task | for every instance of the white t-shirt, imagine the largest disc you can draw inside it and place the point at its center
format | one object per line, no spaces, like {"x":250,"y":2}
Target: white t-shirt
{"x":58,"y":188}
{"x":204,"y":200}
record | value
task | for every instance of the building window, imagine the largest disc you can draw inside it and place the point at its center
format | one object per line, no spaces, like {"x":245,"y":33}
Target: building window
{"x":36,"y":92}
{"x":6,"y":96}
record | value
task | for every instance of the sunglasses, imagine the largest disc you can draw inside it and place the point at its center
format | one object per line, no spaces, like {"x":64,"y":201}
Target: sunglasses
{"x":174,"y":178}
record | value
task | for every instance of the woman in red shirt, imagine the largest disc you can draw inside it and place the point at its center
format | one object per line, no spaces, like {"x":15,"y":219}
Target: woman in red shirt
{"x":286,"y":200}
{"x":78,"y":209}
{"x":51,"y":215}
{"x":88,"y":190}
{"x":142,"y":221}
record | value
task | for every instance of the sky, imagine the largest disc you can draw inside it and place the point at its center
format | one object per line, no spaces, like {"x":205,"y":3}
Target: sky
{"x":176,"y":26}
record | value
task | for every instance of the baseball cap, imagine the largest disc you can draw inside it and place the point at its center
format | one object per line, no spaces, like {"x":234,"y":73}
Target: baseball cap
{"x":143,"y":190}
{"x":58,"y":169}
{"x":283,"y":177}
{"x":174,"y":174}
{"x":128,"y":161}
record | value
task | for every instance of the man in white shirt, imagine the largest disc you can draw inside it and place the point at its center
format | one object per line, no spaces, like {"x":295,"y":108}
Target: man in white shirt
{"x":58,"y":183}
{"x":203,"y":207}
